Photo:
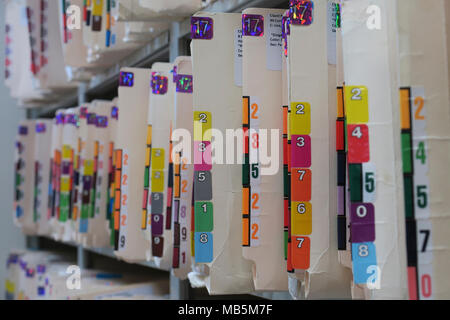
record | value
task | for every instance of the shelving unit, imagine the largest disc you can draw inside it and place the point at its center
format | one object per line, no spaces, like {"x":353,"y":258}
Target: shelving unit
{"x":165,"y":47}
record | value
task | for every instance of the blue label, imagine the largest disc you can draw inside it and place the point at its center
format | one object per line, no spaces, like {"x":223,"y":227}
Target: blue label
{"x":364,"y":260}
{"x":203,"y":247}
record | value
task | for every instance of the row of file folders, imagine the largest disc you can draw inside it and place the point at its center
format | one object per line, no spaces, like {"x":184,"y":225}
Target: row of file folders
{"x":302,"y":150}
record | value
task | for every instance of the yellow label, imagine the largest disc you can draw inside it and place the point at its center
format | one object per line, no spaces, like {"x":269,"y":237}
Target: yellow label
{"x":158,"y":156}
{"x":97,"y":8}
{"x":157,"y":181}
{"x":66,"y":152}
{"x":202,"y":126}
{"x":356,"y":104}
{"x":88,"y":167}
{"x":300,"y":118}
{"x":65,"y":184}
{"x":9,"y":285}
{"x":301,"y":218}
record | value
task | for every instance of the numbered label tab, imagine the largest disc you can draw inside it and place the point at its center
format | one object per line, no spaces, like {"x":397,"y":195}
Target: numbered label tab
{"x":300,"y":151}
{"x":301,"y":218}
{"x":301,"y":185}
{"x":356,"y":104}
{"x":358,"y":143}
{"x":300,"y":252}
{"x":252,"y":25}
{"x":203,"y":247}
{"x":204,"y":220}
{"x":362,"y":222}
{"x":202,"y":28}
{"x":364,"y":262}
{"x":202,"y":126}
{"x":300,"y":118}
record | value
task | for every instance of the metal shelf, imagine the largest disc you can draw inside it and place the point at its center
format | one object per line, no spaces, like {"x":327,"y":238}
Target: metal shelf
{"x":165,"y":47}
{"x":159,"y":48}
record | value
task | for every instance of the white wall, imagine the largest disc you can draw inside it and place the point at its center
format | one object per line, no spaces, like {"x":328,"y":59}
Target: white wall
{"x":10,"y":236}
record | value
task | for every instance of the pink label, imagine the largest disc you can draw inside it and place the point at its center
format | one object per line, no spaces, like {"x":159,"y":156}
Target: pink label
{"x":202,"y":156}
{"x":301,"y":151}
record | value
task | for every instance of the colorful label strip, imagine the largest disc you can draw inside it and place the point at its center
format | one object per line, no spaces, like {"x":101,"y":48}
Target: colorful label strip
{"x":301,"y":175}
{"x":180,"y":213}
{"x":416,"y":186}
{"x":203,"y":205}
{"x":361,"y":180}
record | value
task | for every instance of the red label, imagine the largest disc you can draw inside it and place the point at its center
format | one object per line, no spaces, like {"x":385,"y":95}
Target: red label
{"x":358,"y":143}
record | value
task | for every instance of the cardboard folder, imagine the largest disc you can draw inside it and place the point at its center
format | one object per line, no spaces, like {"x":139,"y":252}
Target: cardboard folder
{"x":56,"y":147}
{"x":24,"y":178}
{"x":97,"y":236}
{"x":217,"y":187}
{"x":20,"y":72}
{"x":113,"y":123}
{"x":425,"y":131}
{"x":377,"y":226}
{"x":134,"y":85}
{"x":312,"y":247}
{"x":263,"y":192}
{"x":159,"y":176}
{"x":68,"y":209}
{"x":183,"y":167}
{"x":52,"y":75}
{"x":42,"y":152}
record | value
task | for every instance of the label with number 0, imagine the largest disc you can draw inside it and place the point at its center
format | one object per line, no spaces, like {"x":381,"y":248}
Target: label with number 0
{"x":362,"y":217}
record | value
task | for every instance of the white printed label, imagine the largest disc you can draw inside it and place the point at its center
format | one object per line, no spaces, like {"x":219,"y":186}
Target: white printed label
{"x":369,"y":182}
{"x":331,"y":32}
{"x":274,"y":41}
{"x":238,"y":57}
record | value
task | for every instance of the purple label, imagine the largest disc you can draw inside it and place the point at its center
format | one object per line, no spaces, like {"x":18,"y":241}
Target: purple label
{"x":115,"y":113}
{"x":40,"y":127}
{"x":83,"y":112}
{"x":301,"y":12}
{"x":362,"y":217}
{"x":59,"y":118}
{"x":157,"y":224}
{"x":252,"y":25}
{"x":202,"y":28}
{"x":71,"y":119}
{"x":102,"y":122}
{"x":41,"y":268}
{"x":92,"y":118}
{"x":159,"y":84}
{"x":176,"y":208}
{"x":23,"y":131}
{"x":126,"y":79}
{"x":30,"y":272}
{"x":65,"y":167}
{"x":184,"y":83}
